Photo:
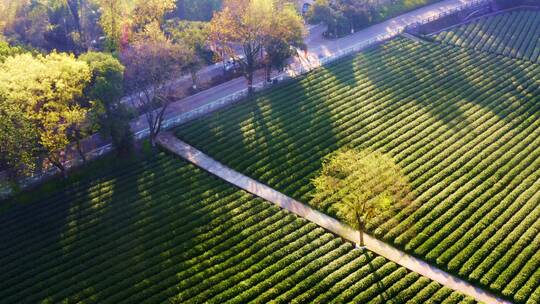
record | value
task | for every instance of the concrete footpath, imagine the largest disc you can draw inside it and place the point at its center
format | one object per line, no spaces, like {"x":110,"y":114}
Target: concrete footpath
{"x":176,"y":146}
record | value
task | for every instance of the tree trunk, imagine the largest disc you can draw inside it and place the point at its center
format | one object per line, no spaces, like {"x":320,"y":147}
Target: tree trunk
{"x":361,"y":236}
{"x":224,"y":64}
{"x":80,"y":151}
{"x":194,"y":78}
{"x":153,"y":133}
{"x":58,"y":164}
{"x":250,"y":81}
{"x":155,"y":122}
{"x":268,"y":73}
{"x":153,"y":140}
{"x":360,"y":223}
{"x":74,"y":8}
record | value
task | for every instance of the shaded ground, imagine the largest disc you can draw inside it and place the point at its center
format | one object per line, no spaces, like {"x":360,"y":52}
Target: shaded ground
{"x":160,"y":230}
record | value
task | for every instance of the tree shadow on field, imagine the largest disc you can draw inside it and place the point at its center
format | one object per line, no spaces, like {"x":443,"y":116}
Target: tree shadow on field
{"x":42,"y":238}
{"x":277,"y":136}
{"x":161,"y":224}
{"x":104,"y":237}
{"x":442,"y":80}
{"x":382,"y":290}
{"x":454,"y":78}
{"x":302,"y":134}
{"x":418,"y":78}
{"x":345,"y":73}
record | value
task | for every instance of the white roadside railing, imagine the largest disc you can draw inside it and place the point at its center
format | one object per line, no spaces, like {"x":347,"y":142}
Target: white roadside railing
{"x":468,"y":5}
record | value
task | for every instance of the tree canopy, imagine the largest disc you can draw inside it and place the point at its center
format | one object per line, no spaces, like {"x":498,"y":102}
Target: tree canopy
{"x":6,"y":50}
{"x":193,"y":35}
{"x":198,"y":10}
{"x":340,"y":16}
{"x":250,"y":25}
{"x":41,"y":94}
{"x":107,"y":89}
{"x":359,"y":185}
{"x":56,"y":87}
{"x":151,"y":67}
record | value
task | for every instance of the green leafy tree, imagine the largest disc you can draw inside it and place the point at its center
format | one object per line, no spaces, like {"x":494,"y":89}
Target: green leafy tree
{"x":112,"y":19}
{"x":29,"y":24}
{"x":359,"y":186}
{"x":150,"y":11}
{"x":75,"y":8}
{"x":198,"y":10}
{"x":49,"y":24}
{"x":18,"y":137}
{"x":242,"y":24}
{"x":356,"y":12}
{"x":321,"y":11}
{"x":287,"y":33}
{"x":194,"y":36}
{"x":107,"y":89}
{"x":6,"y":50}
{"x":340,"y":16}
{"x":46,"y":90}
{"x":62,"y":33}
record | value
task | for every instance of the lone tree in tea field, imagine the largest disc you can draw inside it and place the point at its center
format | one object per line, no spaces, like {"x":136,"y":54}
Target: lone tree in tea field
{"x":359,"y":185}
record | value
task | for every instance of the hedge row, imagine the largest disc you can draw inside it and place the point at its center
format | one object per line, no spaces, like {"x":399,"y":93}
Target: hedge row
{"x":515,"y":34}
{"x":462,"y":124}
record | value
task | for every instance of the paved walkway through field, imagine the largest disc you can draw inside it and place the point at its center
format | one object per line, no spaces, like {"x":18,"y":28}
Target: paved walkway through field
{"x":169,"y":141}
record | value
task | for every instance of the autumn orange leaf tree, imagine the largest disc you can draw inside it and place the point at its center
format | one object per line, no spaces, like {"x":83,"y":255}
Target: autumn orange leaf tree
{"x":245,"y":28}
{"x":151,"y":68}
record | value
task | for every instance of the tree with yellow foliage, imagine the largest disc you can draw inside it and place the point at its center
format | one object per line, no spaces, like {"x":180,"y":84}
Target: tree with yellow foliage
{"x":248,"y":25}
{"x":359,"y":185}
{"x":42,"y":94}
{"x":113,"y":17}
{"x":149,"y":11}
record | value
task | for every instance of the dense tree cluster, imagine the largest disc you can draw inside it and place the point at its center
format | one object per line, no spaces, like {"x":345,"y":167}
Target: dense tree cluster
{"x":49,"y":101}
{"x":341,"y":16}
{"x":65,"y":66}
{"x":81,"y":25}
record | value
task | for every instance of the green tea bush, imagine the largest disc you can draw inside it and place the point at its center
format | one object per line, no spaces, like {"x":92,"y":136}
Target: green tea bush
{"x":461,"y":123}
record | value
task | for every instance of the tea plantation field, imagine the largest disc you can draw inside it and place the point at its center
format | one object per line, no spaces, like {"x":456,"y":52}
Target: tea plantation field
{"x":161,"y":230}
{"x":463,"y":125}
{"x":514,"y":34}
